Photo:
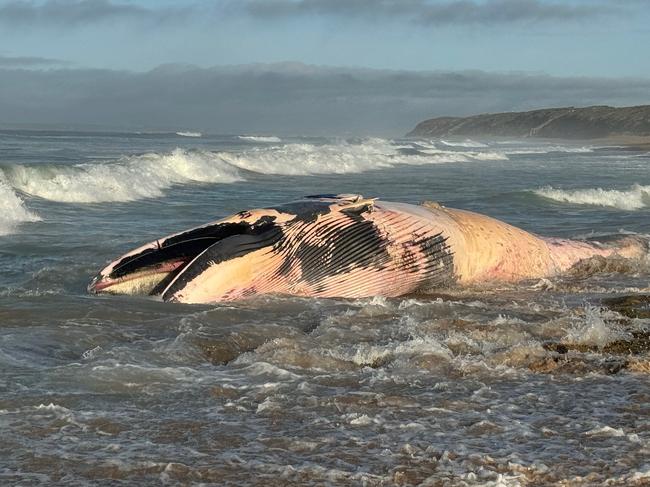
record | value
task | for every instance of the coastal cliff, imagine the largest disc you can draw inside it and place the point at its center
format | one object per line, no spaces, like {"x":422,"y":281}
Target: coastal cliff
{"x":566,"y":123}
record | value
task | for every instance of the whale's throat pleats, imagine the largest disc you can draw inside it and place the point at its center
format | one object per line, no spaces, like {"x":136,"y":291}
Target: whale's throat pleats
{"x":347,"y":253}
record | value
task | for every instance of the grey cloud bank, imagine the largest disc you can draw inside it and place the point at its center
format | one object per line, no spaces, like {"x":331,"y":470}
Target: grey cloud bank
{"x":287,"y":97}
{"x":29,"y":61}
{"x":426,"y":12}
{"x":80,"y":12}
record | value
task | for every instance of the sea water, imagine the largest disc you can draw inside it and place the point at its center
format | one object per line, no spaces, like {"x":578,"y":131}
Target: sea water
{"x":496,"y":385}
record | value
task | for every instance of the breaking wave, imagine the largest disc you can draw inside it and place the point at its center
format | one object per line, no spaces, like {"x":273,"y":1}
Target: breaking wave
{"x":12,"y":210}
{"x":189,"y":134}
{"x":127,"y":179}
{"x":465,"y":143}
{"x":260,"y":138}
{"x":549,"y":150}
{"x":635,"y":198}
{"x":132,"y":178}
{"x":342,"y":158}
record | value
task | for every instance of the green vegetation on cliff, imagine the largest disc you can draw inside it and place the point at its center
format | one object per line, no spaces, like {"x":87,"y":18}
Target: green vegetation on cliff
{"x":566,"y":123}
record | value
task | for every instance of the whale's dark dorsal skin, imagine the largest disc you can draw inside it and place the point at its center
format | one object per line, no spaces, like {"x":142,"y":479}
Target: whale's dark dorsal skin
{"x":338,"y":246}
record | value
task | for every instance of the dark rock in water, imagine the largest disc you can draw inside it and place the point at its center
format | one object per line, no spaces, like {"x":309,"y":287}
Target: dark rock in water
{"x":228,"y":345}
{"x":221,"y":352}
{"x":579,"y":364}
{"x":630,"y":353}
{"x":565,"y":123}
{"x":603,"y":265}
{"x":638,"y":343}
{"x":632,"y":306}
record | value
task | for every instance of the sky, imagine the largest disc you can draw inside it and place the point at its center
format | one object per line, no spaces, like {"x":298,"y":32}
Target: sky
{"x":313,"y":66}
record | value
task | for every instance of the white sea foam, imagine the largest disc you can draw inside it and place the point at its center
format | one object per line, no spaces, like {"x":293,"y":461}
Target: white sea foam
{"x":129,"y":178}
{"x":465,"y":143}
{"x":422,"y":144}
{"x":189,"y":134}
{"x":12,"y":210}
{"x":260,"y":138}
{"x":606,"y":431}
{"x":149,"y":175}
{"x":466,"y":156}
{"x":635,"y":198}
{"x":341,"y":158}
{"x":598,"y":328}
{"x":548,"y":149}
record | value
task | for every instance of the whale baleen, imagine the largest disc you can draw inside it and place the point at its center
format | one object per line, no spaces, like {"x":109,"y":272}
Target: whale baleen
{"x":342,"y":246}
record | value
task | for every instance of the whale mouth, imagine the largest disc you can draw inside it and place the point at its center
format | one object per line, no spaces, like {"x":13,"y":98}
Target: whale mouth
{"x":152,"y":267}
{"x":143,"y":281}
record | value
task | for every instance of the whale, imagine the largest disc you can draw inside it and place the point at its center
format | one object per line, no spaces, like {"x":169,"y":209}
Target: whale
{"x":343,"y":246}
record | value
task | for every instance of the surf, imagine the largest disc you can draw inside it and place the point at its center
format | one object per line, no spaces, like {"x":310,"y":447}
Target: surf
{"x":635,"y":198}
{"x":13,"y":210}
{"x":129,"y":178}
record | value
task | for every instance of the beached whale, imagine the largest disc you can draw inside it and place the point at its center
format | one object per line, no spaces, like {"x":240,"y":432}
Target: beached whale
{"x":341,"y":246}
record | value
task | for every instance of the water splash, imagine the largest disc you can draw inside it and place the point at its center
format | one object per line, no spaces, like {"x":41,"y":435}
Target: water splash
{"x":635,"y":198}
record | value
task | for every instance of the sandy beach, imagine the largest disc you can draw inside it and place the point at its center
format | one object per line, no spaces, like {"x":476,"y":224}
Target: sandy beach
{"x":632,"y":142}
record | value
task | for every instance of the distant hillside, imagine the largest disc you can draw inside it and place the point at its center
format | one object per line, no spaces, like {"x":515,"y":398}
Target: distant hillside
{"x":565,"y":123}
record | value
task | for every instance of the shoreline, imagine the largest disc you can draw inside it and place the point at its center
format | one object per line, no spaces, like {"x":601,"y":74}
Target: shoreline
{"x":633,"y":143}
{"x":636,"y":143}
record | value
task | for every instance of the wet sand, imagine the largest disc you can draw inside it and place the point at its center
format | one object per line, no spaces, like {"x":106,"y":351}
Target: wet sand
{"x":629,"y":142}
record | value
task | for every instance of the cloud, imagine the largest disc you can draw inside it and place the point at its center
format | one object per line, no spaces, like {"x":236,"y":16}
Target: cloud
{"x":430,"y":12}
{"x":80,"y":12}
{"x":288,"y":97}
{"x":29,"y":61}
{"x":424,"y":12}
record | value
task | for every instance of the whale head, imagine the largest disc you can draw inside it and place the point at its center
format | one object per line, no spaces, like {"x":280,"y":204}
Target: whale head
{"x":324,"y":245}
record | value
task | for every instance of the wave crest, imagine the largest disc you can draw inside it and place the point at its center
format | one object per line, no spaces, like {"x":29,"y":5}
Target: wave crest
{"x":635,"y":198}
{"x":549,"y":149}
{"x":132,"y":178}
{"x":12,"y":210}
{"x":260,"y":138}
{"x":343,"y":157}
{"x":465,"y":143}
{"x":129,"y":178}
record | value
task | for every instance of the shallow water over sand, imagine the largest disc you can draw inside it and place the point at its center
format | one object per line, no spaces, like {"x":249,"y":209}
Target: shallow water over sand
{"x":528,"y":384}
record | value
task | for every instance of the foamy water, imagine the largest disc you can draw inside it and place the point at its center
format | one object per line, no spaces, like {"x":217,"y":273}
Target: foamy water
{"x":302,"y":159}
{"x":127,"y":179}
{"x":547,"y":149}
{"x":465,"y":143}
{"x":12,"y":209}
{"x":536,"y":383}
{"x":634,"y":198}
{"x":260,"y":138}
{"x":342,"y":158}
{"x":148,"y":175}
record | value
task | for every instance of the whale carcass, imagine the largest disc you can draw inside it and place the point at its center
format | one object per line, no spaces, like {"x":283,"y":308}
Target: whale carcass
{"x":341,"y":246}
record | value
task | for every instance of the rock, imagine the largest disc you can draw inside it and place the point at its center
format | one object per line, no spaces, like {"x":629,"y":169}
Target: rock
{"x":632,"y":306}
{"x":638,"y":343}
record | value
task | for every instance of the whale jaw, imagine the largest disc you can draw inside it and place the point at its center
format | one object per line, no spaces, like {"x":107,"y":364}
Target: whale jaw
{"x":149,"y":269}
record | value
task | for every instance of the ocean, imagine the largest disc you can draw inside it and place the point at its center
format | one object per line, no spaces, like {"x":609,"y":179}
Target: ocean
{"x":496,"y":385}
